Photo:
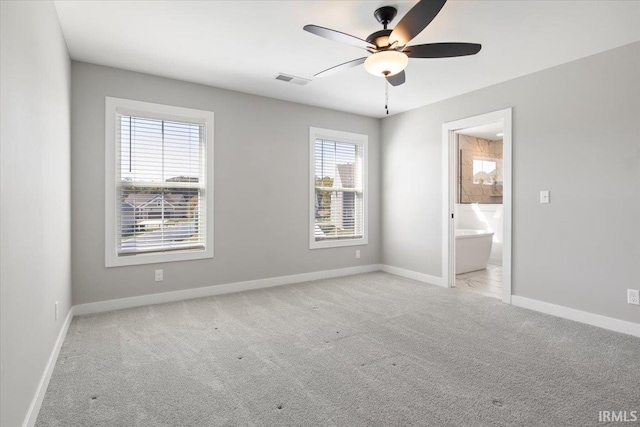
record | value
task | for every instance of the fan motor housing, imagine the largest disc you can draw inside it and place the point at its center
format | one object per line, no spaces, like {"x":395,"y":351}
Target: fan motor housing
{"x":380,"y":38}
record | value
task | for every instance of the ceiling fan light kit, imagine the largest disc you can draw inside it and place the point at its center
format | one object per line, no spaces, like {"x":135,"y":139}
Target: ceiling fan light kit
{"x":386,"y":63}
{"x":389,"y":48}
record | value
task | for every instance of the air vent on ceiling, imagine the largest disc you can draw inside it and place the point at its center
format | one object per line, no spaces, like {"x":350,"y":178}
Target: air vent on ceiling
{"x":292,"y":79}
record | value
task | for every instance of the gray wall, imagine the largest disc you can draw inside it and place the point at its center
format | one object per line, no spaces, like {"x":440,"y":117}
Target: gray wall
{"x":576,"y":132}
{"x":35,"y":267}
{"x":261,"y":186}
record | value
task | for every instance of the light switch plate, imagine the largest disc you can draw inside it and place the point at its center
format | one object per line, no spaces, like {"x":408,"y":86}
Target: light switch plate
{"x":544,"y":196}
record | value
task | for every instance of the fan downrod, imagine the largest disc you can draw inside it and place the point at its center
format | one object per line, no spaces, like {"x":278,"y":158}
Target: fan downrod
{"x":385,"y":14}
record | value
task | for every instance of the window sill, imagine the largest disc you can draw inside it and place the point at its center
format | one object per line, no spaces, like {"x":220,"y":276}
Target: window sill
{"x":156,"y":258}
{"x":322,"y":244}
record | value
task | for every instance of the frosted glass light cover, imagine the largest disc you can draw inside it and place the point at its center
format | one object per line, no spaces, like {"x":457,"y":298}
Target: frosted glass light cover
{"x":387,"y":63}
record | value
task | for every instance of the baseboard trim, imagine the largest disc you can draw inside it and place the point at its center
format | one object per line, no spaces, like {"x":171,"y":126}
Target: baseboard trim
{"x":421,"y":277}
{"x":592,"y":319}
{"x":36,"y":403}
{"x":160,"y":298}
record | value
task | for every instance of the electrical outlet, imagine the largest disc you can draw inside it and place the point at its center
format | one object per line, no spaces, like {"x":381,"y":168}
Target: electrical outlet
{"x":159,"y":275}
{"x":56,"y":310}
{"x":633,"y":296}
{"x":358,"y":254}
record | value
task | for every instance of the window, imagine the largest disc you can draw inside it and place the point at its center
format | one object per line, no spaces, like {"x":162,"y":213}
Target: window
{"x":338,"y":189}
{"x":159,"y":183}
{"x":484,"y":171}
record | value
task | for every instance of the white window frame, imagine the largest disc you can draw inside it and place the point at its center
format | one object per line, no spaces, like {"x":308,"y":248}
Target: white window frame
{"x":347,"y":137}
{"x":115,"y":106}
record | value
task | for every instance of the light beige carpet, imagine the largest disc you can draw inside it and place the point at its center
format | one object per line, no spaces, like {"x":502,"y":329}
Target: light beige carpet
{"x":365,"y":350}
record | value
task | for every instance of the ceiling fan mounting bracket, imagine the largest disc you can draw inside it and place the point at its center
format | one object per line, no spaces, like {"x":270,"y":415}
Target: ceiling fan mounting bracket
{"x":385,"y":14}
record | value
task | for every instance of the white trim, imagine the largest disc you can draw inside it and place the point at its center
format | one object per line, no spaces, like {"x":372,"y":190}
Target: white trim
{"x":167,"y":112}
{"x":448,"y":185}
{"x":592,"y":319}
{"x":118,"y":304}
{"x":448,"y":205}
{"x":340,"y":136}
{"x":36,"y":403}
{"x":409,"y":274}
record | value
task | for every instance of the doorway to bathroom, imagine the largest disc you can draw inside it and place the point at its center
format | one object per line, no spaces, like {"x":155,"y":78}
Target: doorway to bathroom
{"x":477,"y":204}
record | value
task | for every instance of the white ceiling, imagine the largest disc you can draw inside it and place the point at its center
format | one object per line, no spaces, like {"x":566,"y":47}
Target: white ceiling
{"x":243,"y":45}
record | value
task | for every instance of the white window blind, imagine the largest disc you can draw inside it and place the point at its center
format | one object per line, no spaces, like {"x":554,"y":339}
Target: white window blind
{"x":160,"y":185}
{"x":338,"y":190}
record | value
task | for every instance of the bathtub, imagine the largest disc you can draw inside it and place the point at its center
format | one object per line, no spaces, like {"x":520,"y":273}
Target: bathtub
{"x":473,"y":248}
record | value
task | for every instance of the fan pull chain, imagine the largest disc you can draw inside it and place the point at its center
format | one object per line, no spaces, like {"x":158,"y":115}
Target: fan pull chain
{"x":386,"y":95}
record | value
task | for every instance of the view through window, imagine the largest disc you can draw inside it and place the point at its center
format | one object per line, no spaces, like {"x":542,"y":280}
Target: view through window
{"x":161,"y":186}
{"x":338,"y":199}
{"x":484,"y":171}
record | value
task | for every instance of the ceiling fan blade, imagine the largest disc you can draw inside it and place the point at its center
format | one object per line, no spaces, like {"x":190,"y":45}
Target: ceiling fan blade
{"x":397,"y":79}
{"x":337,"y":36}
{"x":442,"y":50}
{"x":340,"y":67}
{"x":415,"y":21}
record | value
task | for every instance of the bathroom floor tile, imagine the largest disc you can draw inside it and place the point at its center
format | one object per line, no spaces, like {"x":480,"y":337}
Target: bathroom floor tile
{"x":487,"y":282}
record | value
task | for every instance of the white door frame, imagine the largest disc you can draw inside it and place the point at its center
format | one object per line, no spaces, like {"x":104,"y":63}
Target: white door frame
{"x":448,"y":194}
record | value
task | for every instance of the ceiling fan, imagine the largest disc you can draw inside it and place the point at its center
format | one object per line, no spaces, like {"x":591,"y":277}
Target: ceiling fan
{"x":389,"y":48}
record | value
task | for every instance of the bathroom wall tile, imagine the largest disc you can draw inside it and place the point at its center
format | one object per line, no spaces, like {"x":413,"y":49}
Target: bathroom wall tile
{"x":470,"y":148}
